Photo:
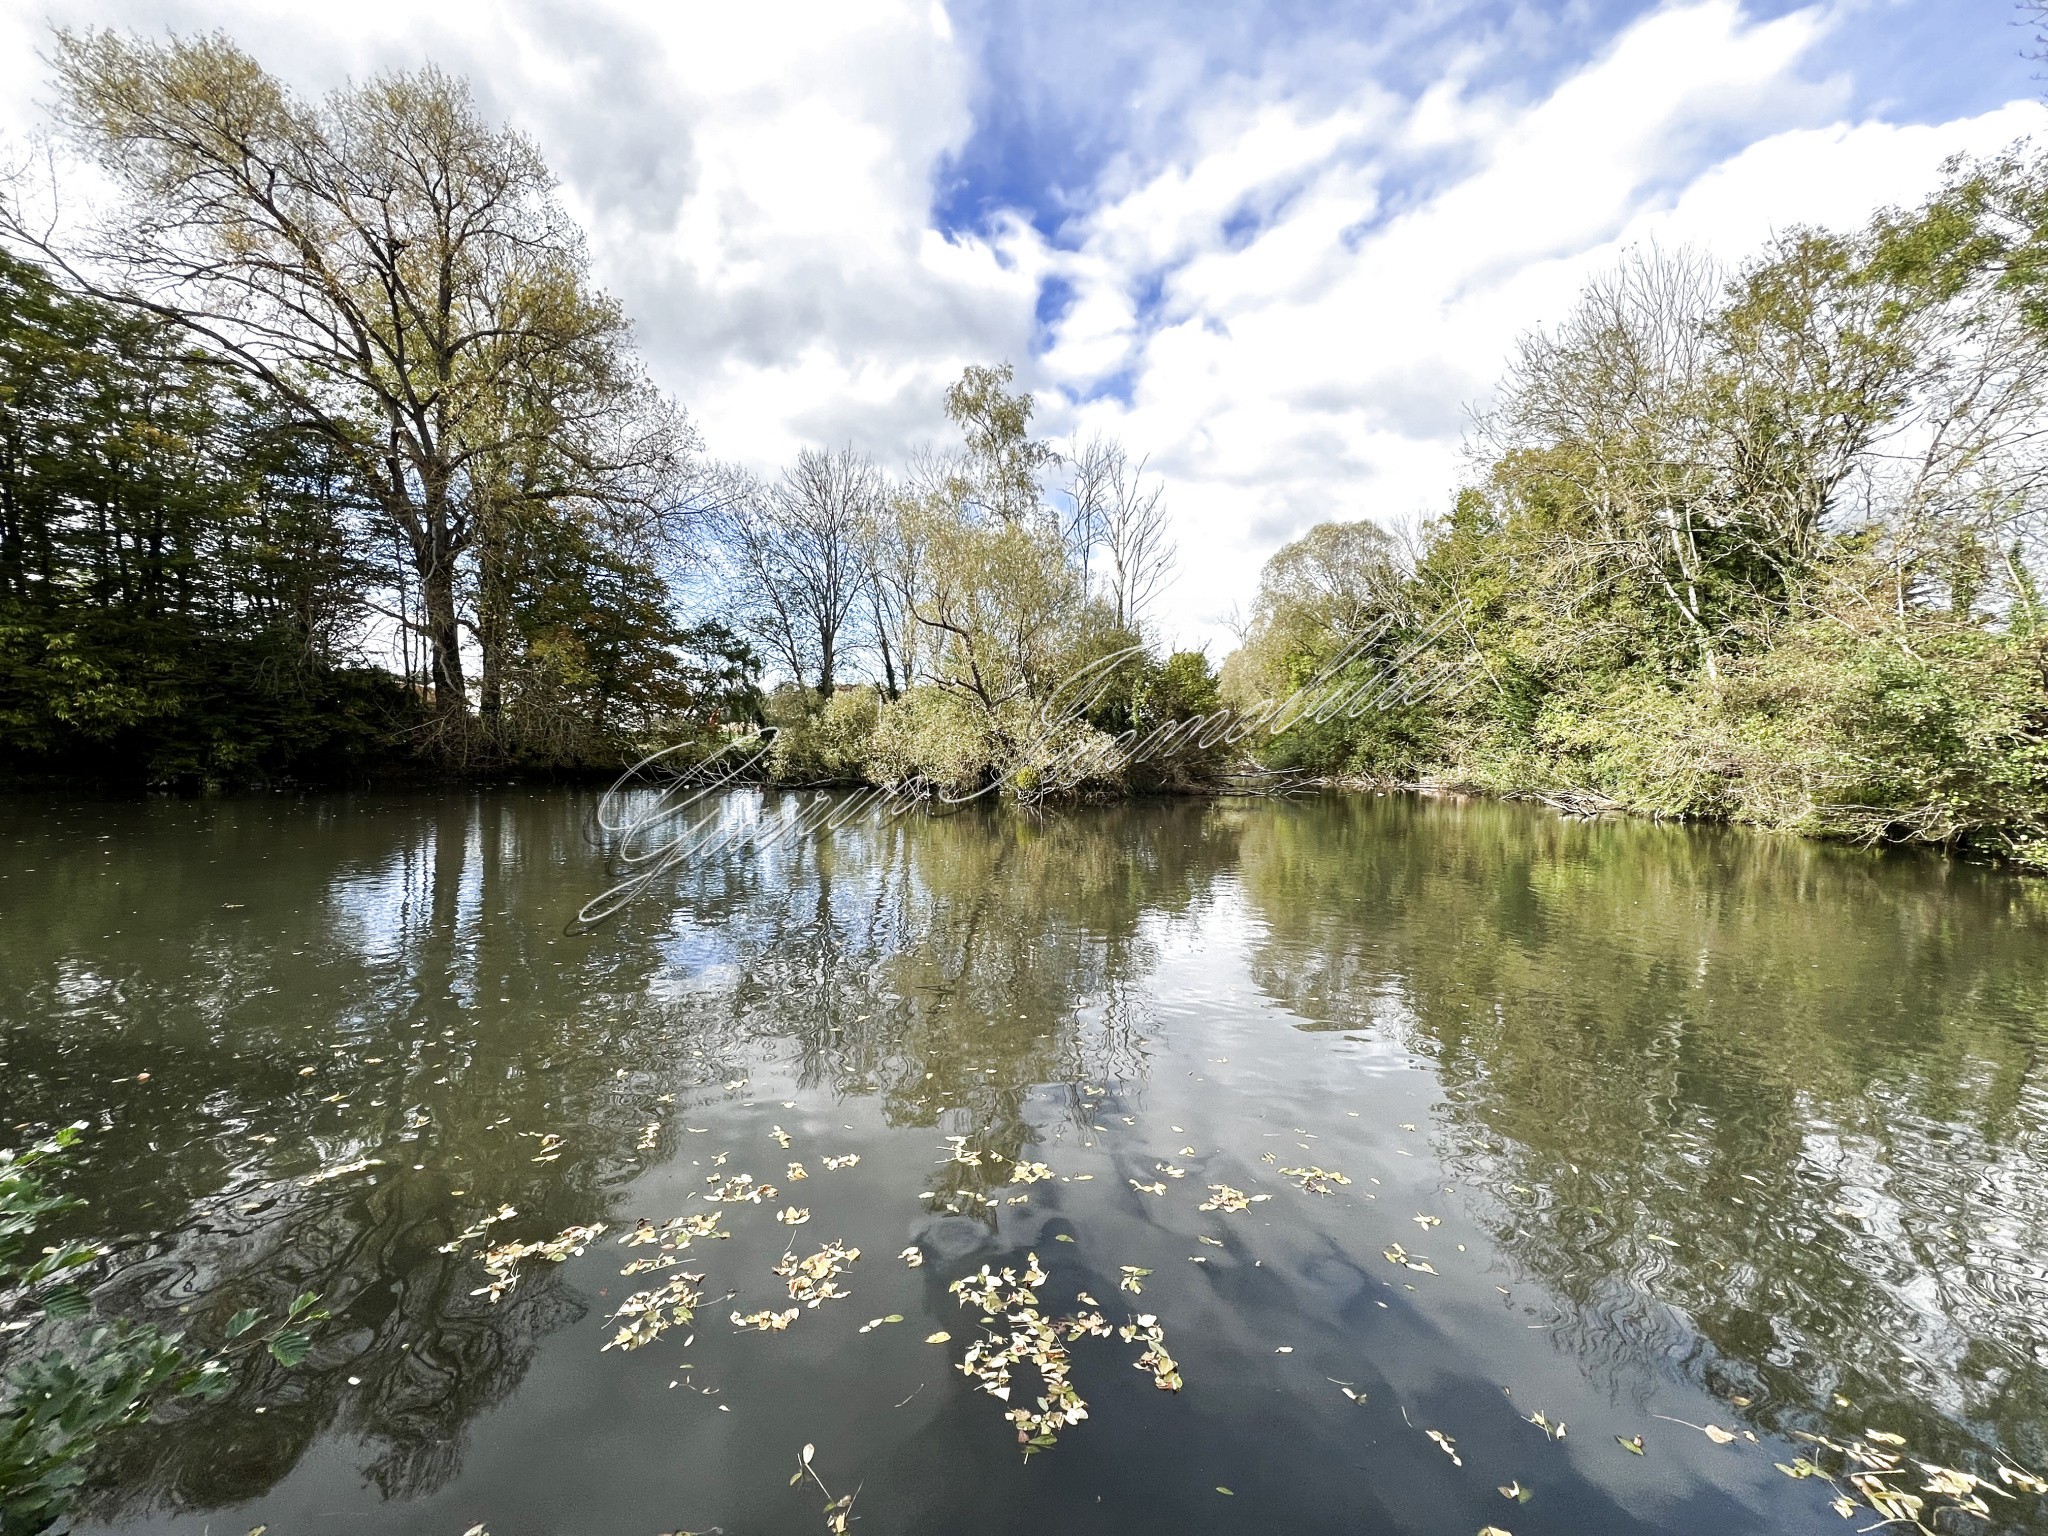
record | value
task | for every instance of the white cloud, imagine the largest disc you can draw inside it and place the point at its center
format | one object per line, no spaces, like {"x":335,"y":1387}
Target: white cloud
{"x":1323,"y":368}
{"x":1301,"y":299}
{"x":757,"y":182}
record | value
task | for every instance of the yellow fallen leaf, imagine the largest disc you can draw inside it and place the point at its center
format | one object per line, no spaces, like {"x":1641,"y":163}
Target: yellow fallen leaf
{"x":938,"y":1338}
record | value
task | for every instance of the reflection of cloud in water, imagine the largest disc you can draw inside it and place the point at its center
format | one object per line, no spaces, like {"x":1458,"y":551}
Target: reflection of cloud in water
{"x":1652,"y":1070}
{"x":1727,"y":1110}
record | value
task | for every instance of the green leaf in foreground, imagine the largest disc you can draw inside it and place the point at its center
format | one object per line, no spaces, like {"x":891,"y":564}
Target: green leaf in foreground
{"x":289,"y":1347}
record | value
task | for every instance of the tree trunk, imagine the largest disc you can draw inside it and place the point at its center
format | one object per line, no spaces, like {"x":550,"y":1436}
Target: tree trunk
{"x":888,"y":663}
{"x":444,"y":637}
{"x":495,"y":560}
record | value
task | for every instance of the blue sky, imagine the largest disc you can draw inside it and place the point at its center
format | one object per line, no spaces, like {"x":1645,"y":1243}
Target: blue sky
{"x":1282,"y":247}
{"x":1065,"y":90}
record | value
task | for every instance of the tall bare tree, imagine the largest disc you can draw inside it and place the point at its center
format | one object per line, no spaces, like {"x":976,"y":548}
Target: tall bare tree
{"x":799,"y":558}
{"x":1137,"y":546}
{"x":396,"y":270}
{"x":1117,"y":527}
{"x":827,"y":501}
{"x":895,"y":548}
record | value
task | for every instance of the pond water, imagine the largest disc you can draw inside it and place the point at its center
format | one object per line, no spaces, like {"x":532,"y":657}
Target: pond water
{"x":1646,"y":1129}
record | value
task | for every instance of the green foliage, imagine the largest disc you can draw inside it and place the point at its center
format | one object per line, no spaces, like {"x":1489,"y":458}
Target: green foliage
{"x":185,"y":572}
{"x":1003,"y":459}
{"x":58,"y":1404}
{"x":821,"y":741}
{"x":934,"y":738}
{"x":61,"y":1404}
{"x":601,"y":669}
{"x":1700,"y":578}
{"x":1163,"y":695}
{"x":175,"y":569}
{"x":1936,"y":734}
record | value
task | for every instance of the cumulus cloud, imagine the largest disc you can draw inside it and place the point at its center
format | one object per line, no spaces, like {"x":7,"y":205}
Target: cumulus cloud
{"x":757,"y":182}
{"x":1282,"y":258}
{"x":1298,"y":320}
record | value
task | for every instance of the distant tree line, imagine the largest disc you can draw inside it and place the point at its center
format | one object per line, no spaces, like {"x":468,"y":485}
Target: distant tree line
{"x":966,"y":592}
{"x":323,"y":454}
{"x":1765,"y":545}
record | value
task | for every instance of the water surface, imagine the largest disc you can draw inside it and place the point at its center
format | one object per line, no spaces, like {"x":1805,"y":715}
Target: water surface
{"x":1685,"y":1128}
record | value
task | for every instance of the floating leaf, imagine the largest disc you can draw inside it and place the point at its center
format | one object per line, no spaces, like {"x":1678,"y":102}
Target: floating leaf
{"x":1447,"y":1445}
{"x":1717,"y":1434}
{"x":939,"y":1337}
{"x":1316,"y":1181}
{"x":813,"y":1278}
{"x":646,"y":1315}
{"x":1630,"y":1443}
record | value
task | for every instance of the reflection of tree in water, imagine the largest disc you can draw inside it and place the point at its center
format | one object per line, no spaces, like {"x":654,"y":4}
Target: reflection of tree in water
{"x":958,"y":966}
{"x":1768,"y":1112}
{"x":425,"y":1355}
{"x":376,"y":964}
{"x":413,"y":958}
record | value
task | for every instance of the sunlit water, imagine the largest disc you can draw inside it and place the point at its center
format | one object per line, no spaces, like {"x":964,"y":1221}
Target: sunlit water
{"x":1684,"y":1128}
